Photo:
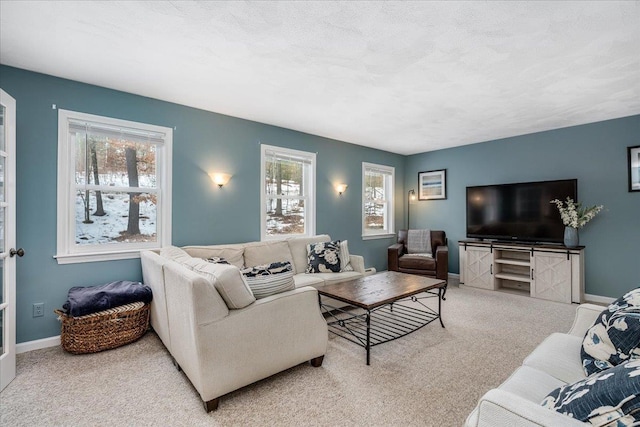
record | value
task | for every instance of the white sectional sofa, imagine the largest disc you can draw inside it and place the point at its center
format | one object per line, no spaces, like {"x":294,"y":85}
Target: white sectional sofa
{"x":554,"y":363}
{"x":221,"y":348}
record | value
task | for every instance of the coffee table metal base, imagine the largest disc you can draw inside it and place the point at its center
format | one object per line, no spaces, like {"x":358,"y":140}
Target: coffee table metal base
{"x":385,"y":323}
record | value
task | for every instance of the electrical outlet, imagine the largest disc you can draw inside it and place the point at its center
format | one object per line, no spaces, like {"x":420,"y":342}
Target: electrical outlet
{"x":38,"y":309}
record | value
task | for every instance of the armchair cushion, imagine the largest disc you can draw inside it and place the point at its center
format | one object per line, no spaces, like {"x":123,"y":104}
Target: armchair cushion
{"x":607,"y":398}
{"x":417,"y":262}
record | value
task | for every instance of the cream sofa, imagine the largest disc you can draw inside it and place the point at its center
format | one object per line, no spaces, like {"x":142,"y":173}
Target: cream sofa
{"x":554,"y":363}
{"x":222,"y":349}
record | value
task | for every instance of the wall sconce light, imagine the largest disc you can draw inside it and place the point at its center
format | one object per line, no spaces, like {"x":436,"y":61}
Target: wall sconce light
{"x":340,"y":188}
{"x":220,"y":178}
{"x":412,"y":198}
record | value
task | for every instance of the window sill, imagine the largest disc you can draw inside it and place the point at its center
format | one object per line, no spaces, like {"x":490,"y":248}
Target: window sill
{"x":96,"y":257}
{"x":378,"y":236}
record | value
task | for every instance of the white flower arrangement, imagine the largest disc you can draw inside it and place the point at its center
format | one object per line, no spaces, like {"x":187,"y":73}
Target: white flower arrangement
{"x":574,"y":215}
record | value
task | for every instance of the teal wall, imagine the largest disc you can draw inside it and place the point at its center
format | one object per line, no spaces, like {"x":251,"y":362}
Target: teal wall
{"x":202,"y":214}
{"x":595,"y":154}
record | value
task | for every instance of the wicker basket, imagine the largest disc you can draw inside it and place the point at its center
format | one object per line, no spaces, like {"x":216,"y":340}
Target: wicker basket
{"x":103,"y":330}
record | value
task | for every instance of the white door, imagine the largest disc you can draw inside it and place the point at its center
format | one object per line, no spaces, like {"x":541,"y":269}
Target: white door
{"x":7,"y":239}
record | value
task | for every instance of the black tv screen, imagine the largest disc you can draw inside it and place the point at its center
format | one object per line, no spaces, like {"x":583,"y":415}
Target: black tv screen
{"x":518,"y":212}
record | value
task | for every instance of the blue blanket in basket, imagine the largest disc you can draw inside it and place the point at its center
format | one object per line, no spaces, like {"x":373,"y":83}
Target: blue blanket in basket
{"x":87,"y":300}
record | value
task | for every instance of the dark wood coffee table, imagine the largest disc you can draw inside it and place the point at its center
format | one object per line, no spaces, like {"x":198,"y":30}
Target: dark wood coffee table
{"x":377,"y":310}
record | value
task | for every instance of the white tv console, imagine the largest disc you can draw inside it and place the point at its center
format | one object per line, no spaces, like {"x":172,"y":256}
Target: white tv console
{"x":548,"y":272}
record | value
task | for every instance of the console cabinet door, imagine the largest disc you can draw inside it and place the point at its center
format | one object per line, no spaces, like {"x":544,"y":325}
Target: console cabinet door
{"x":479,"y":268}
{"x":551,"y":277}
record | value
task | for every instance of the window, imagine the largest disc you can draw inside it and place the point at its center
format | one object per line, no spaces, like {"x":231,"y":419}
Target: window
{"x":287,"y":193}
{"x":114,"y":187}
{"x":377,"y":201}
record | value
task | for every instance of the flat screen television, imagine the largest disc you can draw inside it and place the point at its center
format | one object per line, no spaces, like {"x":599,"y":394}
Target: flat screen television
{"x":518,"y":212}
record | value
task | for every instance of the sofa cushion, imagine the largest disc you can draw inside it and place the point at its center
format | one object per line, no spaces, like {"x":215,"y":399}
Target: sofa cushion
{"x":269,"y":279}
{"x":615,"y":335}
{"x":174,"y":253}
{"x":323,"y":257}
{"x":331,"y":278}
{"x":298,"y":248}
{"x":345,"y":261}
{"x":559,"y":356}
{"x":607,"y":398}
{"x":304,"y":279}
{"x":227,"y":281}
{"x":530,"y":383}
{"x":231,"y":253}
{"x":261,"y":253}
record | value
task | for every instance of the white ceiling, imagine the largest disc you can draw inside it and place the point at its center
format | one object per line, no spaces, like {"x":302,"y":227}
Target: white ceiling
{"x":406,"y":77}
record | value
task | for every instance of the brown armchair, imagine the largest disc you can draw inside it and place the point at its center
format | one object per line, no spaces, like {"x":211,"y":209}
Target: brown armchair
{"x":438,"y":266}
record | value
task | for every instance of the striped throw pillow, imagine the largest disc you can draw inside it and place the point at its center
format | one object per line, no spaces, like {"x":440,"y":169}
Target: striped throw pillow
{"x":269,"y":279}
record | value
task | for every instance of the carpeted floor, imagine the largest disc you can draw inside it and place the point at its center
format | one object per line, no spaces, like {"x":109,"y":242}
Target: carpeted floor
{"x":432,"y":377}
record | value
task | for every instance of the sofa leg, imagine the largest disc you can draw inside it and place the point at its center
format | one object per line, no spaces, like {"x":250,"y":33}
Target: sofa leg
{"x":211,"y":405}
{"x":316,"y":362}
{"x":175,"y":363}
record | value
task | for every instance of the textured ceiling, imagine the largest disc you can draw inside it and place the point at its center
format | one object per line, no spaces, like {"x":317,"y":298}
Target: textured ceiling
{"x":406,"y":77}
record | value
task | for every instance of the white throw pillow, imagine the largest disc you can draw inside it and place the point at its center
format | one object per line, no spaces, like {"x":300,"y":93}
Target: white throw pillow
{"x":227,"y":280}
{"x":345,"y":262}
{"x":174,"y":253}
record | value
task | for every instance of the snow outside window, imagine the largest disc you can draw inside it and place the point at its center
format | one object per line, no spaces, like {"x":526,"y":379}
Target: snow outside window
{"x":287,"y":193}
{"x":114,"y":187}
{"x":377,"y":201}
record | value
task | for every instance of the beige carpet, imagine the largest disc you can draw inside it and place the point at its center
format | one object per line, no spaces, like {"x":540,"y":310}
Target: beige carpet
{"x":432,"y":377}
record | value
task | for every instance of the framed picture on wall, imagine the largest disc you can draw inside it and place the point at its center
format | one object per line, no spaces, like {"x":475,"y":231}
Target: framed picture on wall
{"x":634,"y":168}
{"x":432,"y":185}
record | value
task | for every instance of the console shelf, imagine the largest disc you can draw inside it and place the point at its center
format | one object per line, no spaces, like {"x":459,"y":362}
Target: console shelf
{"x":546,"y":271}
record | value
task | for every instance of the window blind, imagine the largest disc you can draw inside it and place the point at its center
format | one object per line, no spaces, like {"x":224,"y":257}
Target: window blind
{"x":116,"y":132}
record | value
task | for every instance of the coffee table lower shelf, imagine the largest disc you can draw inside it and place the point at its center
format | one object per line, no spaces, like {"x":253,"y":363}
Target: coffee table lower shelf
{"x":368,"y":328}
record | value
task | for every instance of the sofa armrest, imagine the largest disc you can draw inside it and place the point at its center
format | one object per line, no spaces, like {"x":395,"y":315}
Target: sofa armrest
{"x":266,"y":337}
{"x":586,"y":315}
{"x":153,"y":276}
{"x":442,"y":262}
{"x":357,"y":262}
{"x":394,"y":252}
{"x":499,"y":408}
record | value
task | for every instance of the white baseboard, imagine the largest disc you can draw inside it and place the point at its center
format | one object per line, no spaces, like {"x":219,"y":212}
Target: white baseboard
{"x":454,"y":275}
{"x":598,"y":298}
{"x":37,"y":344}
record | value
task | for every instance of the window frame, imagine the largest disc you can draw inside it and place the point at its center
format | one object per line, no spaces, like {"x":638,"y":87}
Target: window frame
{"x":310,"y":197}
{"x":389,"y":230}
{"x":67,"y":251}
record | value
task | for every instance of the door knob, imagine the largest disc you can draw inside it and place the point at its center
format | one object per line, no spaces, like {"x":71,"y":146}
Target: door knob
{"x":13,"y":252}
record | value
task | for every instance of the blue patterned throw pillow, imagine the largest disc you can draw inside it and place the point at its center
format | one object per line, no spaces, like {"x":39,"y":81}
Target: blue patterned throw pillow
{"x":323,"y":257}
{"x":217,"y":260}
{"x":615,"y":336}
{"x":607,"y":398}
